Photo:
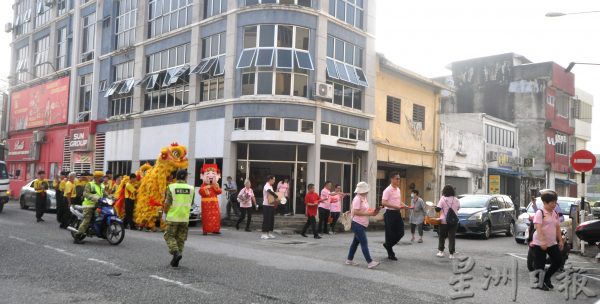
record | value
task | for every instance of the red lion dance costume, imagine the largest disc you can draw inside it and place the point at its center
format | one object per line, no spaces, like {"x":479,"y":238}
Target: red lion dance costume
{"x":209,"y":191}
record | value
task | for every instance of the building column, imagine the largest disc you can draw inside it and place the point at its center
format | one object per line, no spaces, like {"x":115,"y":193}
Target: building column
{"x":73,"y":53}
{"x":137,"y":140}
{"x":230,"y":52}
{"x":229,"y":147}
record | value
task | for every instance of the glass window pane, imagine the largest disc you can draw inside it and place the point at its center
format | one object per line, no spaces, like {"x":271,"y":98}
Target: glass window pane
{"x":307,"y":126}
{"x":334,"y":130}
{"x":290,"y":125}
{"x":284,"y":36}
{"x":339,"y":49}
{"x":240,"y":124}
{"x":352,"y":134}
{"x":341,"y":10}
{"x":362,"y":135}
{"x":349,"y":54}
{"x":306,"y":3}
{"x":304,"y":60}
{"x":265,"y":83}
{"x":283,"y":83}
{"x":341,"y":68}
{"x":302,"y":38}
{"x":267,"y":35}
{"x":324,"y":128}
{"x":220,"y":68}
{"x":338,"y":91}
{"x":330,"y":46}
{"x":264,"y":58}
{"x":284,"y":59}
{"x":357,"y":99}
{"x":251,"y":2}
{"x":248,"y":84}
{"x":273,"y":124}
{"x":246,"y":59}
{"x":348,"y":97}
{"x":350,"y":14}
{"x":352,"y":74}
{"x":254,"y":123}
{"x":344,"y":132}
{"x":249,"y":37}
{"x":301,"y":85}
{"x":331,"y":69}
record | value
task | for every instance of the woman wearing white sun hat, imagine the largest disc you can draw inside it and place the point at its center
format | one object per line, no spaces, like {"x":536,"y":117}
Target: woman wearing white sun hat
{"x":360,"y":222}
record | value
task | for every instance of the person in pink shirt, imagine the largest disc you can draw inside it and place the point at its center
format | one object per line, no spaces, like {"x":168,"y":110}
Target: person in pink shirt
{"x":246,"y":199}
{"x":394,"y":225}
{"x":447,"y":201}
{"x":547,"y":239}
{"x":336,"y":199}
{"x":360,"y":222}
{"x":284,"y":187}
{"x":324,"y":206}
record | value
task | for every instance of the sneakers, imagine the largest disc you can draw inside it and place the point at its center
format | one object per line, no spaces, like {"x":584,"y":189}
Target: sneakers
{"x":270,"y":235}
{"x":264,"y":237}
{"x":440,"y":254}
{"x":317,"y":236}
{"x":420,"y":241}
{"x":451,"y":257}
{"x":351,"y":263}
{"x":373,"y":264}
{"x":303,"y":234}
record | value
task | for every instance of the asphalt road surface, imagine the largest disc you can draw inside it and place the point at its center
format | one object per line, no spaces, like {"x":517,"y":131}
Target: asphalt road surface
{"x":40,"y":264}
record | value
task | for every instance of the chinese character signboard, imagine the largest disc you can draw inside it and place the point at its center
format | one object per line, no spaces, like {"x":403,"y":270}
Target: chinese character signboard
{"x":494,"y":184}
{"x":19,"y":148}
{"x":79,"y":139}
{"x":42,"y":105}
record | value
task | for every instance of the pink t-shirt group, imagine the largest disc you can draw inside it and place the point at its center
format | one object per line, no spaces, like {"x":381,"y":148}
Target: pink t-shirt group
{"x":549,"y":223}
{"x":447,"y":202}
{"x":325,"y":197}
{"x":392,"y":196}
{"x":266,"y":194}
{"x":283,"y":187}
{"x":245,"y":197}
{"x":335,"y":203}
{"x":361,"y":204}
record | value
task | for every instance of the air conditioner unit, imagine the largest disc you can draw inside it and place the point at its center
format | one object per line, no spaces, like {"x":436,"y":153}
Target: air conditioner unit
{"x":8,"y":27}
{"x":323,"y":90}
{"x":39,"y":136}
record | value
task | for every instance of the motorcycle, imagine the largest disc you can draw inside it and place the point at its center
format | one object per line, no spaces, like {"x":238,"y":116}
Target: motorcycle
{"x":564,"y":253}
{"x":105,"y":224}
{"x":589,"y":232}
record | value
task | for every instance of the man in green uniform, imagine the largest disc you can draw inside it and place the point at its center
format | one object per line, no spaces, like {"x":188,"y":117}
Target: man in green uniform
{"x":180,"y":197}
{"x":91,"y":194}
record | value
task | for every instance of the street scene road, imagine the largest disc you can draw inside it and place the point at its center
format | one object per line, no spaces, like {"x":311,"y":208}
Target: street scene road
{"x":40,"y":264}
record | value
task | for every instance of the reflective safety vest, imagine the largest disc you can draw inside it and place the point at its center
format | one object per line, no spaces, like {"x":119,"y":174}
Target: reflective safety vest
{"x":182,"y":198}
{"x":90,"y":203}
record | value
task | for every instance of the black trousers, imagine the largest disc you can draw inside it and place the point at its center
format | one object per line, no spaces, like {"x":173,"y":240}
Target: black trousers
{"x":323,"y":217}
{"x":312,"y":222}
{"x":335,"y":216}
{"x":394,"y":229}
{"x":447,"y":231}
{"x":62,"y":209}
{"x":540,"y":260}
{"x":268,"y":218}
{"x":232,"y":204}
{"x":128,"y":220}
{"x":243,"y":213}
{"x":40,"y":204}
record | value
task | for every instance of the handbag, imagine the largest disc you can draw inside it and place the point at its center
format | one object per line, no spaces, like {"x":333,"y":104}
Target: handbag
{"x":346,"y":220}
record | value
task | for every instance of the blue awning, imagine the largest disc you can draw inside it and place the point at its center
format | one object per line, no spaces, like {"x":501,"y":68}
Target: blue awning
{"x":504,"y":171}
{"x":566,"y":182}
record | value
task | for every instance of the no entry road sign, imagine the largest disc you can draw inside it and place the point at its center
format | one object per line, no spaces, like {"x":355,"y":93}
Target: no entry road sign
{"x":583,"y":161}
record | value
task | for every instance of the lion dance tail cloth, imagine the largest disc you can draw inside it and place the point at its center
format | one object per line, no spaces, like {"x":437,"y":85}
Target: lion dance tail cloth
{"x":209,"y":191}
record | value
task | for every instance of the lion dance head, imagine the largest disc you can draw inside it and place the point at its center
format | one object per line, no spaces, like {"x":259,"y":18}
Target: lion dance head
{"x":174,"y":156}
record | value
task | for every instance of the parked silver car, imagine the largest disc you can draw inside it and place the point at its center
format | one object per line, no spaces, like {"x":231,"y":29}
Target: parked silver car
{"x":565,"y":205}
{"x":596,"y":209}
{"x":27,"y":197}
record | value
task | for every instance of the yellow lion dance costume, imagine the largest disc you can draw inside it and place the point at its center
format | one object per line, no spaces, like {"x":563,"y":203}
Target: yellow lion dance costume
{"x":120,"y":192}
{"x":151,"y":193}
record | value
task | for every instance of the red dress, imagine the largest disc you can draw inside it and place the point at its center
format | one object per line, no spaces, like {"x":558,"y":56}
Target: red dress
{"x":211,"y":213}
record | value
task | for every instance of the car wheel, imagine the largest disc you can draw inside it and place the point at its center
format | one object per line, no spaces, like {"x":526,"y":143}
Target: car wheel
{"x":520,"y":241}
{"x":511,"y":229}
{"x":487,"y":232}
{"x":22,"y":203}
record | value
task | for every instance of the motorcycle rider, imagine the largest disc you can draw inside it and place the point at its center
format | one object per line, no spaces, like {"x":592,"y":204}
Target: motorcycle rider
{"x":92,"y":193}
{"x":180,"y":197}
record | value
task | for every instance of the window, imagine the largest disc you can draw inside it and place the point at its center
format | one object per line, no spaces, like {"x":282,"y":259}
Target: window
{"x":121,"y":167}
{"x":85,"y":98}
{"x":22,"y":65}
{"x":346,"y":95}
{"x":120,"y":105}
{"x":167,"y":84}
{"x":562,"y":106}
{"x":240,"y":124}
{"x":419,"y":115}
{"x":61,"y":49}
{"x":22,"y":22}
{"x":88,"y":36}
{"x":254,"y":123}
{"x":42,"y":12}
{"x":42,"y":47}
{"x":561,"y":143}
{"x":499,"y":136}
{"x":120,"y":92}
{"x":306,"y":3}
{"x":125,"y":23}
{"x":344,"y":132}
{"x":307,"y":126}
{"x":214,"y":7}
{"x":343,"y":68}
{"x":61,"y":6}
{"x":167,"y":15}
{"x":275,"y":60}
{"x":582,"y":111}
{"x":324,"y":128}
{"x":349,"y":11}
{"x":393,"y":110}
{"x":290,"y":125}
{"x":272,"y":124}
{"x":211,"y":68}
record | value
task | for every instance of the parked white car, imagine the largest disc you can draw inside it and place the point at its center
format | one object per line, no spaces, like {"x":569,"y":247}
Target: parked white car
{"x":27,"y":198}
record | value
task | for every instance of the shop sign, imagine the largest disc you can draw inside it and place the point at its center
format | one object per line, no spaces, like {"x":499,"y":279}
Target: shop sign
{"x":494,"y":184}
{"x":82,"y":157}
{"x":558,"y":139}
{"x":528,"y":162}
{"x":79,"y":139}
{"x":19,"y":148}
{"x":41,"y":105}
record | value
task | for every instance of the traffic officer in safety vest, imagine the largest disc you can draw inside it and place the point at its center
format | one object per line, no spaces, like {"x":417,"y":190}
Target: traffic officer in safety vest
{"x":91,"y":194}
{"x":180,"y":197}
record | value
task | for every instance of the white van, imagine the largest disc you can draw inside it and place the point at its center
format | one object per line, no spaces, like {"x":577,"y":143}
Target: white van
{"x":4,"y":185}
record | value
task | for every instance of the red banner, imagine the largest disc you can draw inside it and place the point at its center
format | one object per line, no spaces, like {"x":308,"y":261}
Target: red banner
{"x":19,"y":148}
{"x":42,"y":105}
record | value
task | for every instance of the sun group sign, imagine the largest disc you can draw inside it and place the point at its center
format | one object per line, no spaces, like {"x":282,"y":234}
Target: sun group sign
{"x":79,"y":139}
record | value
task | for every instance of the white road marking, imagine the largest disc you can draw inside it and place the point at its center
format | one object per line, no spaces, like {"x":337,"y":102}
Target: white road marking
{"x":107,"y":263}
{"x":187,"y":286}
{"x":21,"y":239}
{"x":60,"y":250}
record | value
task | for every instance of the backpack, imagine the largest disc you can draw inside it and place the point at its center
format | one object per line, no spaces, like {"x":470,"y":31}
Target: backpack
{"x":451,"y":217}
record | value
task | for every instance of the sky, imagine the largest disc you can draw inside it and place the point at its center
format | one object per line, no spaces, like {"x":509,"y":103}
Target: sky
{"x":426,"y":35}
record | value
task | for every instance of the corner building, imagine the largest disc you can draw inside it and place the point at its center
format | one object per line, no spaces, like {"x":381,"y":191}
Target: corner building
{"x":257,"y":87}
